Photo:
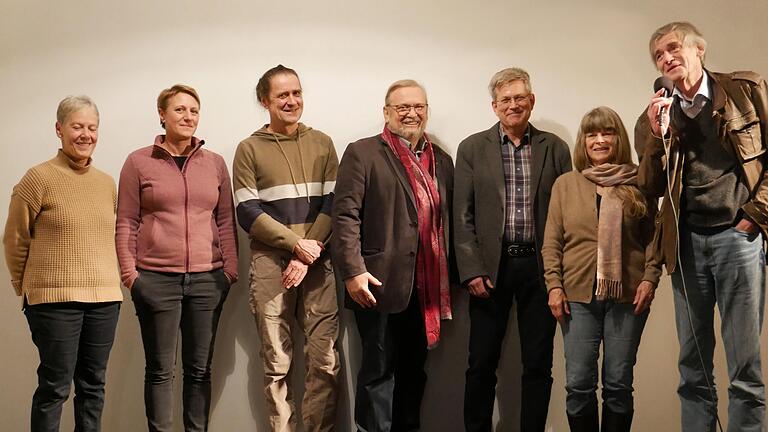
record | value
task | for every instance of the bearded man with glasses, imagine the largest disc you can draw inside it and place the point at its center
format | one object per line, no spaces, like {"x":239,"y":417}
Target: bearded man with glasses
{"x":504,"y":177}
{"x":391,"y":248}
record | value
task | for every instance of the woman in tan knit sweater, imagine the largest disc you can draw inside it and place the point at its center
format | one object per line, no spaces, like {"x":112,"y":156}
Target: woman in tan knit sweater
{"x":599,"y":270}
{"x":60,"y":251}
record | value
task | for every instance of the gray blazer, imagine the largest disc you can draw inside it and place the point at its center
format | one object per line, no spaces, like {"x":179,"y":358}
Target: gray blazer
{"x":479,"y":197}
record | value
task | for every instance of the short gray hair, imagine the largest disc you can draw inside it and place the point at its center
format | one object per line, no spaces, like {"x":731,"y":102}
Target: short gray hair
{"x":70,"y":104}
{"x":402,"y":84}
{"x":688,"y":33}
{"x":506,"y":76}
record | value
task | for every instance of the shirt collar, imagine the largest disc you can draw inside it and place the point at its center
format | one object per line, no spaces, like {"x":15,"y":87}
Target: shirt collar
{"x":525,"y":140}
{"x":703,"y":90}
{"x":407,"y":144}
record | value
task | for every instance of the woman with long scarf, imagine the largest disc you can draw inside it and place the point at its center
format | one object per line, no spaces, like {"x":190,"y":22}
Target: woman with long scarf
{"x":599,"y":270}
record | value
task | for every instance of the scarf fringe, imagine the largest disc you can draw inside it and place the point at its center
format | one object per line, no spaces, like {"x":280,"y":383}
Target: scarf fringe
{"x":608,"y":289}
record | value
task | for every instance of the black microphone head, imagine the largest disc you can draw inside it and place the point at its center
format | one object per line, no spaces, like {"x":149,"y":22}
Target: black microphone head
{"x":665,"y":83}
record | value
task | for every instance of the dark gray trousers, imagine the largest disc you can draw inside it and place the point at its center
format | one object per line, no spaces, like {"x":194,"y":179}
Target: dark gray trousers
{"x":165,"y":303}
{"x":73,"y":340}
{"x":391,"y":380}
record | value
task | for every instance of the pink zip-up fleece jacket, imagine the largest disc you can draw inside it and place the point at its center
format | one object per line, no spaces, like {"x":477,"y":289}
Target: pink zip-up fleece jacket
{"x":172,"y":220}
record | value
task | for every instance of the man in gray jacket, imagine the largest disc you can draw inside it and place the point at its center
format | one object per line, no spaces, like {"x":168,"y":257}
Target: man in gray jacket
{"x":503,"y":180}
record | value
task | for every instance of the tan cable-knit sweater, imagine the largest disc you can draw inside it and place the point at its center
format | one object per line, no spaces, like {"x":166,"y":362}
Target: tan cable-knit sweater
{"x":60,"y":234}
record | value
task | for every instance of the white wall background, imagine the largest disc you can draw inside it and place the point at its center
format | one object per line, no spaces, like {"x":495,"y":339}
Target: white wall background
{"x":580,"y":55}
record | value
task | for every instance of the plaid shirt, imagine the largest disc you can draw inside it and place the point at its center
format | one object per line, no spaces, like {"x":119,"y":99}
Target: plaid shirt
{"x":518,"y":215}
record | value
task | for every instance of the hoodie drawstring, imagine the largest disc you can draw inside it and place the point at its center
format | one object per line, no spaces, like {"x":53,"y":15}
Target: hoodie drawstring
{"x":301,"y":161}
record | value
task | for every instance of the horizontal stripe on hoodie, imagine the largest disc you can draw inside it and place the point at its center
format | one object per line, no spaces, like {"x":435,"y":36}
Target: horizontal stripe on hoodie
{"x":286,"y":191}
{"x":287,"y":211}
{"x":284,"y":186}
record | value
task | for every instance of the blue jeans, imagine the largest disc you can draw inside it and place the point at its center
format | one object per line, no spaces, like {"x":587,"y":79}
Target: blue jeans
{"x":616,"y":326}
{"x":727,"y":268}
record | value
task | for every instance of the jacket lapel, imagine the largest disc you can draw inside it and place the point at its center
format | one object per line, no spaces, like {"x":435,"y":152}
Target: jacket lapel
{"x":539,"y":150}
{"x":494,"y":162}
{"x":399,"y":170}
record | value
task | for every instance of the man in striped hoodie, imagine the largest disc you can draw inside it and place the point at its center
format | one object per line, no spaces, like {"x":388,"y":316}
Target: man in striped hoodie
{"x":284,"y":177}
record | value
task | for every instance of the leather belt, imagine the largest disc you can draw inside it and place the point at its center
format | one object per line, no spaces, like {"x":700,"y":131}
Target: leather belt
{"x":519,"y":249}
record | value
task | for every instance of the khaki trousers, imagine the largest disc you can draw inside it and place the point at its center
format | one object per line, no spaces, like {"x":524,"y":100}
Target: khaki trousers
{"x":314,"y":307}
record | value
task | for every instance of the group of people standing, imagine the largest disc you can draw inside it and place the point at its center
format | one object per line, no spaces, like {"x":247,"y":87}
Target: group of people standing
{"x":397,"y":224}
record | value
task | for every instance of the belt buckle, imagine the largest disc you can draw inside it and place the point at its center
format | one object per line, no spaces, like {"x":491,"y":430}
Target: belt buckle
{"x":514,"y":250}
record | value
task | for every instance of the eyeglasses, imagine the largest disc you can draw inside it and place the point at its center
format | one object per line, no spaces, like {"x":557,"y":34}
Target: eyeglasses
{"x":404,"y":110}
{"x":519,"y":100}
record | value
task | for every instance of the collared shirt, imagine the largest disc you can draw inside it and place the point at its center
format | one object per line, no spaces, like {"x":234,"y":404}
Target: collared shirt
{"x":518,"y":215}
{"x":692,"y":108}
{"x":419,"y":147}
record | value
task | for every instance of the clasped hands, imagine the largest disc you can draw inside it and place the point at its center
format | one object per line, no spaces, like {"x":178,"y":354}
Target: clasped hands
{"x":305,"y":253}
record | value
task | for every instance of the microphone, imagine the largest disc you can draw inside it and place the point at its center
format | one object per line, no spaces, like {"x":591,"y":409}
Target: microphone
{"x":665,"y":83}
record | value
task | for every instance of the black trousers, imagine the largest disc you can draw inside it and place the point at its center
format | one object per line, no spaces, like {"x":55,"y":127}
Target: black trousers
{"x":165,"y":303}
{"x":73,"y":340}
{"x":391,"y":380}
{"x":518,"y":282}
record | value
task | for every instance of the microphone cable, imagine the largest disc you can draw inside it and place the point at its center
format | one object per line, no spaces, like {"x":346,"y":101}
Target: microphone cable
{"x":675,"y":213}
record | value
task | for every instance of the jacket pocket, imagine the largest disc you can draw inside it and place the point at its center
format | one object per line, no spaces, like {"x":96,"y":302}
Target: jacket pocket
{"x":744,"y":132}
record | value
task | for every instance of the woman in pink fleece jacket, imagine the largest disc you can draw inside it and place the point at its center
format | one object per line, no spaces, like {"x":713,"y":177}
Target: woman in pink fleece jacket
{"x":177,"y":248}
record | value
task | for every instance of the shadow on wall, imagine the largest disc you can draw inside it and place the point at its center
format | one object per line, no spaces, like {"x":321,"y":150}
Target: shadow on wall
{"x":237,"y":328}
{"x":442,"y":408}
{"x":238,"y":342}
{"x":557,"y":129}
{"x":446,"y":364}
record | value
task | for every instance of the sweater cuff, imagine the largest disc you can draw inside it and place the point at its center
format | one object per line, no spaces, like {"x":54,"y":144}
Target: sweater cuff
{"x":267,"y":230}
{"x":128,"y":282}
{"x":652,"y":274}
{"x":551,"y":288}
{"x":230,"y":277}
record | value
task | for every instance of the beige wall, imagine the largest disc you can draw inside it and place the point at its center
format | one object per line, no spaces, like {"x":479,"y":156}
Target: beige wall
{"x":580,"y":55}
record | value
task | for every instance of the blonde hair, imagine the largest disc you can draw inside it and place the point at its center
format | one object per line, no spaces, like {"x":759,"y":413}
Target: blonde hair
{"x":602,"y":119}
{"x":167,"y":94}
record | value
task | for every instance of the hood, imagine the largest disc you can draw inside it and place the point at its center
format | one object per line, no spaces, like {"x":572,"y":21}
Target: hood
{"x":265,"y":134}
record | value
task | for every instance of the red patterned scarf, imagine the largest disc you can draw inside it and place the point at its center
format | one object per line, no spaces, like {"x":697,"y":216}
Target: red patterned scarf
{"x":431,"y":262}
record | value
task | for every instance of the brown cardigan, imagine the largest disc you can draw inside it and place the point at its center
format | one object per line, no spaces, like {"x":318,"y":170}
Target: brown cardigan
{"x":570,"y":242}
